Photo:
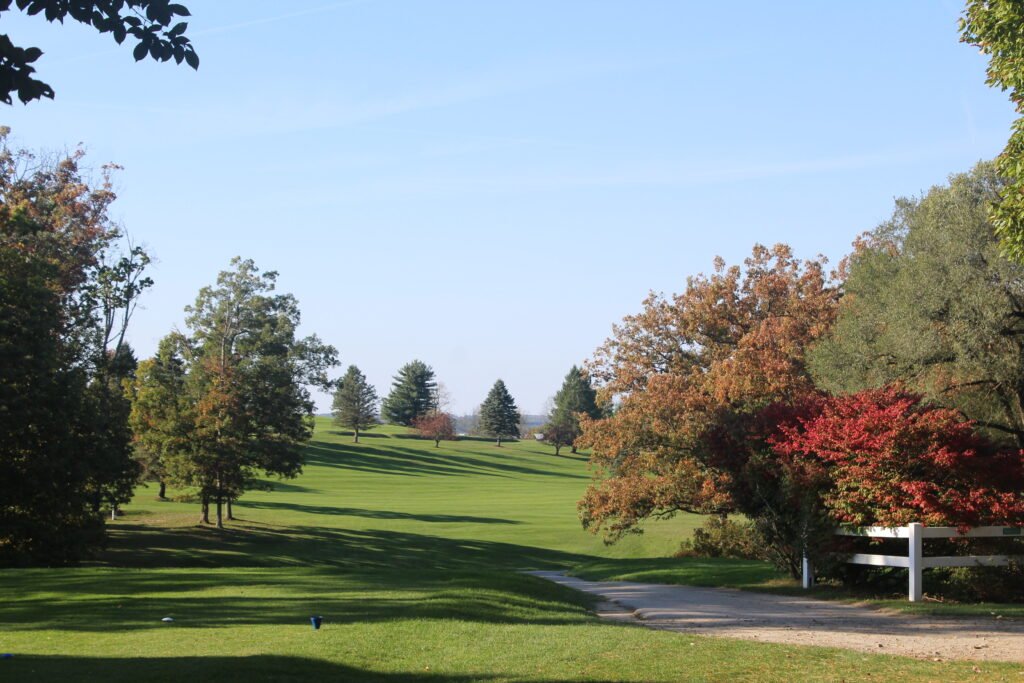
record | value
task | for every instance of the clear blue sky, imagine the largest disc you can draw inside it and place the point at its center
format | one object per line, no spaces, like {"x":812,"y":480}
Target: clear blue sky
{"x":488,"y":186}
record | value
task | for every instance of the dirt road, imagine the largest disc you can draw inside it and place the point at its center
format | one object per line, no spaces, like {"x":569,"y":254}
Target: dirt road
{"x":802,"y":621}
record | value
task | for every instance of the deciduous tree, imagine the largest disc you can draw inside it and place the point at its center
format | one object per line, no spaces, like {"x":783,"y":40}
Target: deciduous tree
{"x":244,"y":408}
{"x":686,"y":369}
{"x":66,"y":299}
{"x":995,"y":27}
{"x":930,"y":303}
{"x":152,"y":23}
{"x":436,"y":425}
{"x":891,"y":459}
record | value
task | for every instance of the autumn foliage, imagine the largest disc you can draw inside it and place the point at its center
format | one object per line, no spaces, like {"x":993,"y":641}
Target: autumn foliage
{"x":684,"y":370}
{"x":892,"y":459}
{"x":436,"y":425}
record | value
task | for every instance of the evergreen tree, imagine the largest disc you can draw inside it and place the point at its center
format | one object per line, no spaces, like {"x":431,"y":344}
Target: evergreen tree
{"x":576,"y":397}
{"x":355,"y":402}
{"x":413,"y":394}
{"x":498,"y":413}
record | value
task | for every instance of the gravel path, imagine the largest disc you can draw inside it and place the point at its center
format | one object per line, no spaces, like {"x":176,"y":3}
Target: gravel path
{"x":802,"y":621}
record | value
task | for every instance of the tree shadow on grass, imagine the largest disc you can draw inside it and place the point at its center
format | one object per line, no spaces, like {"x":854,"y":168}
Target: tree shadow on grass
{"x":252,"y":544}
{"x":372,"y":514}
{"x":345,"y":576}
{"x":218,"y":668}
{"x":413,"y":462}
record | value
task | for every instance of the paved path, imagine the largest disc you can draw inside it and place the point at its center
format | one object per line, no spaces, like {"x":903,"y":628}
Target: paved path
{"x":802,"y":621}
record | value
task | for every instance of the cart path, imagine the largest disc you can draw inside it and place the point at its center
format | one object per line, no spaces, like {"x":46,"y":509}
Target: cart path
{"x":801,"y":621}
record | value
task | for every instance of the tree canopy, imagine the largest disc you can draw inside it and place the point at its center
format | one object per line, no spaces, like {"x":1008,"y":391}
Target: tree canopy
{"x":413,"y":394}
{"x":930,"y":303}
{"x":688,"y":370}
{"x":152,"y":23}
{"x":499,"y":416}
{"x":67,"y":292}
{"x":355,"y":403}
{"x":995,"y":27}
{"x":237,"y":402}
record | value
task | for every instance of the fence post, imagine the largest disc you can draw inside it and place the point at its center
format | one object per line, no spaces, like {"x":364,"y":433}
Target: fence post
{"x":916,"y":550}
{"x":808,"y":572}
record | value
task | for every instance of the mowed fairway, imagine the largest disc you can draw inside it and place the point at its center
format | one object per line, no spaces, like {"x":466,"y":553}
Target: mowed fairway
{"x":411,"y":555}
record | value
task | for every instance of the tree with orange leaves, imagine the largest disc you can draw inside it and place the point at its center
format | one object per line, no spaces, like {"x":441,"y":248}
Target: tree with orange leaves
{"x":688,"y":372}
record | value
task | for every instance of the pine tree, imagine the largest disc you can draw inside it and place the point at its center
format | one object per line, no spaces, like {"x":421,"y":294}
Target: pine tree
{"x":498,"y":413}
{"x":413,"y":394}
{"x":355,"y":403}
{"x":575,"y":397}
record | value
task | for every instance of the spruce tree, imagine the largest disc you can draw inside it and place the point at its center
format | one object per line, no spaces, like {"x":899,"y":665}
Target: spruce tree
{"x":355,"y":402}
{"x":575,"y":397}
{"x":498,"y":414}
{"x":413,"y":394}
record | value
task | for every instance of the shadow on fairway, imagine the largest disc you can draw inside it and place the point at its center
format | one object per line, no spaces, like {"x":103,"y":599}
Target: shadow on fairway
{"x":372,"y":514}
{"x":415,"y":462}
{"x":219,"y":668}
{"x":250,"y":544}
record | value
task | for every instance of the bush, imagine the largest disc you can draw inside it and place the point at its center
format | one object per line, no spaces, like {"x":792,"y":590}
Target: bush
{"x":720,"y":536}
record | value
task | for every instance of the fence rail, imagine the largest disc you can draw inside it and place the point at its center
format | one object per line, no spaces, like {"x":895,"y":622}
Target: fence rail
{"x":915,"y":560}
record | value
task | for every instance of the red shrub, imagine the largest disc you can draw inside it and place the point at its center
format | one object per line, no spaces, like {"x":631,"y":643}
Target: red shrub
{"x":893,"y":459}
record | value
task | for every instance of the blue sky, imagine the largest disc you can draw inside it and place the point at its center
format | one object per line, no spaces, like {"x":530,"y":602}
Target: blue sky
{"x":489,"y":186}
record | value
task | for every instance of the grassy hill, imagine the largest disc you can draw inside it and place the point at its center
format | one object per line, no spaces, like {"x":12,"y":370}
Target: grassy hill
{"x":410,"y":553}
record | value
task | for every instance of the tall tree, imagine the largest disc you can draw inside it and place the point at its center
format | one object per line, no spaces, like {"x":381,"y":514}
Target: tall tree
{"x":499,"y":416}
{"x":576,"y":397}
{"x":930,"y":303}
{"x":153,"y":23}
{"x":995,"y":27}
{"x":65,"y":303}
{"x":685,"y":369}
{"x":244,"y":406}
{"x":413,"y":394}
{"x":355,"y":403}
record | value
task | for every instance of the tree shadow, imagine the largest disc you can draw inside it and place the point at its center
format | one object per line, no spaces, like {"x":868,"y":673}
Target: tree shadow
{"x":413,"y":462}
{"x":220,"y":668}
{"x":372,"y":514}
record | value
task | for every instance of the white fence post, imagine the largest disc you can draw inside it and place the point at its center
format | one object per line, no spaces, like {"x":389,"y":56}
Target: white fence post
{"x":916,"y":551}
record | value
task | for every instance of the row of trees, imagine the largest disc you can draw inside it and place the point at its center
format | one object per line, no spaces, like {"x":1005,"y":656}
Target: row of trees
{"x":886,"y":392}
{"x":417,"y":400}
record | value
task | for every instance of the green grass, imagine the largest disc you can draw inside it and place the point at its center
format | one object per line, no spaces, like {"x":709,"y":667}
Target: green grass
{"x":411,"y":555}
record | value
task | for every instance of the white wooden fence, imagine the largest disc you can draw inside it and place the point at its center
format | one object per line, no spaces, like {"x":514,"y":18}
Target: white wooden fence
{"x":915,"y":560}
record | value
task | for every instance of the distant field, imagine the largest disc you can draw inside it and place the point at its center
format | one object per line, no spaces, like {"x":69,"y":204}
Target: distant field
{"x":410,"y":553}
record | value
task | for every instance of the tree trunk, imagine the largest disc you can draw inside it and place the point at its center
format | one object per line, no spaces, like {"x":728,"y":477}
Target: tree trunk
{"x":220,"y":512}
{"x":231,"y":513}
{"x":558,"y":447}
{"x":113,"y":513}
{"x":356,"y":432}
{"x":205,"y":519}
{"x":573,"y":449}
{"x":163,"y":491}
{"x":437,"y":443}
{"x":499,"y":442}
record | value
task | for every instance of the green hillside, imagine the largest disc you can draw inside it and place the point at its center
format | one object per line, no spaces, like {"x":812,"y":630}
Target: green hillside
{"x":410,"y":553}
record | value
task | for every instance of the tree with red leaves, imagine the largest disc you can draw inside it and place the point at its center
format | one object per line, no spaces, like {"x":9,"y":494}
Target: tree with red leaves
{"x":893,"y":459}
{"x":436,"y":425}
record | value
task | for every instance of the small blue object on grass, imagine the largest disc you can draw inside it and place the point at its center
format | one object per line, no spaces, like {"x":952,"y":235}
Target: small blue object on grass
{"x":316,"y":621}
{"x":6,"y":655}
